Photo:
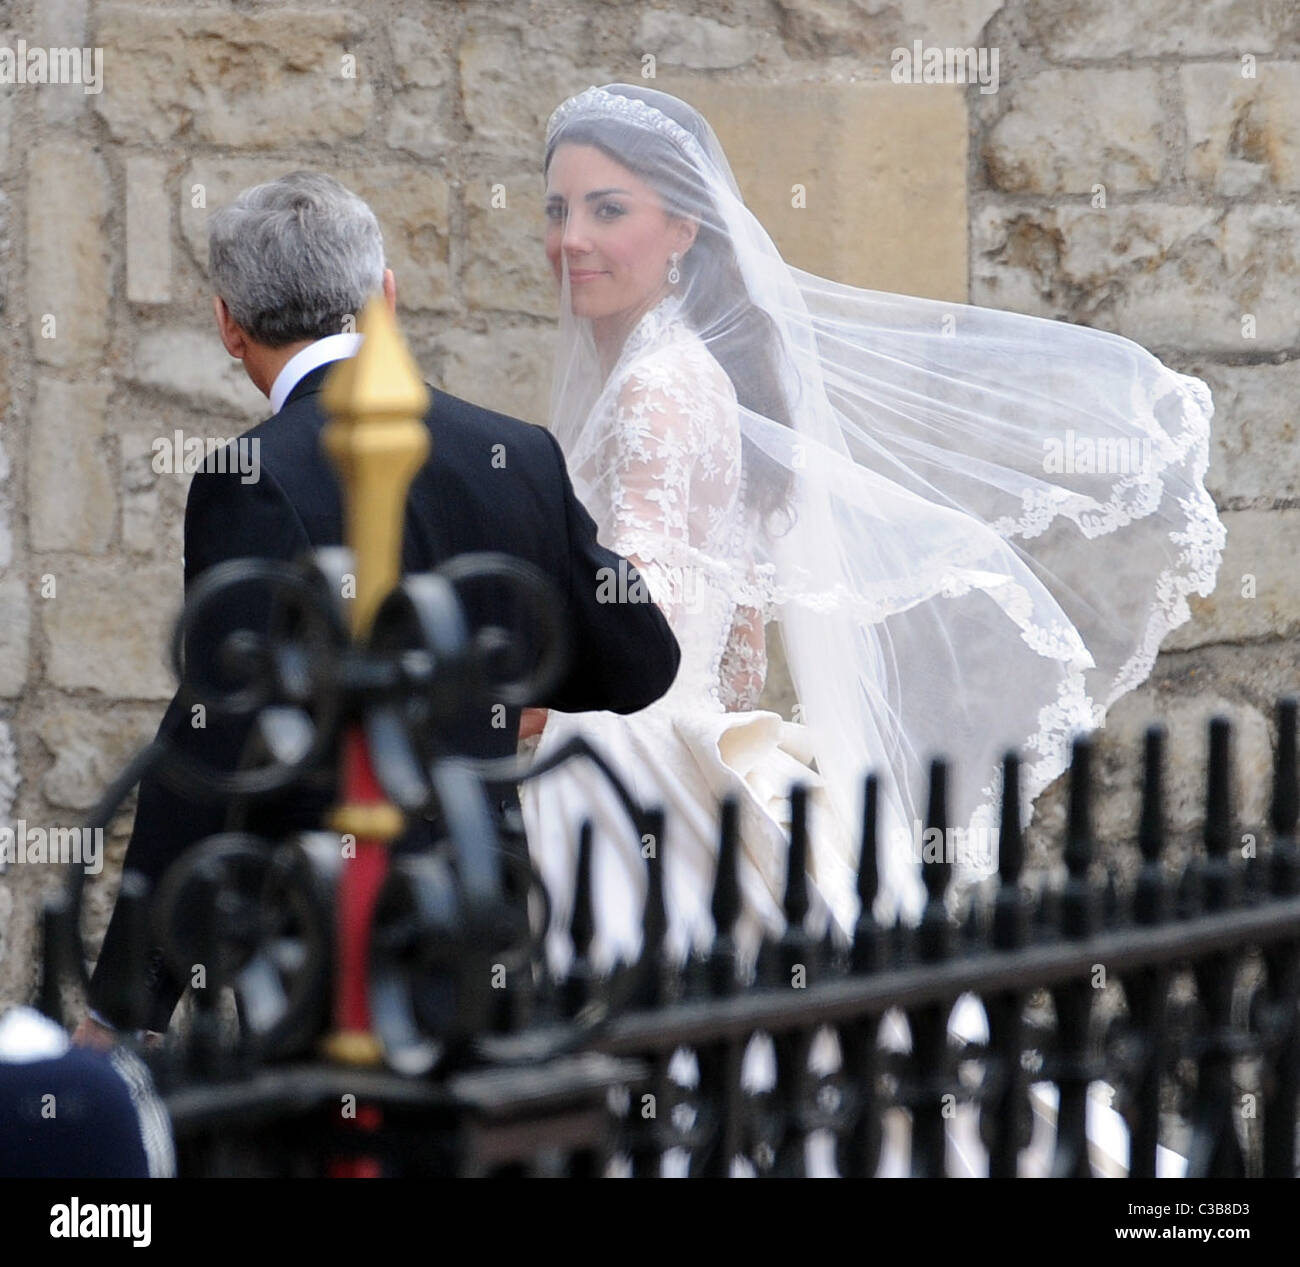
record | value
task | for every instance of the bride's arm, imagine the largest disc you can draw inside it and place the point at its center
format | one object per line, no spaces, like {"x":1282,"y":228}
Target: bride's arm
{"x":651,"y":483}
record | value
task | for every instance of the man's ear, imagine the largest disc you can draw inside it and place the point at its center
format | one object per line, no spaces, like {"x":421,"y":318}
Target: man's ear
{"x":232,"y":334}
{"x":390,"y":291}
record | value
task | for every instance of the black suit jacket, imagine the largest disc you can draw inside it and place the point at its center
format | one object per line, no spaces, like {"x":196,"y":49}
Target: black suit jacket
{"x":491,"y":483}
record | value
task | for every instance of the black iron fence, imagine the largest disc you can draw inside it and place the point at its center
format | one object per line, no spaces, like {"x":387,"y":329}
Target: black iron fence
{"x":1177,"y":992}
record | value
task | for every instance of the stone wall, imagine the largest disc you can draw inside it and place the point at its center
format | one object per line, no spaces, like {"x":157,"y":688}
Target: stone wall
{"x":1136,"y":170}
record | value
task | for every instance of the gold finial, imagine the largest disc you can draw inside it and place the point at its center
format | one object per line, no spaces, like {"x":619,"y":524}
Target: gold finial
{"x":378,"y":441}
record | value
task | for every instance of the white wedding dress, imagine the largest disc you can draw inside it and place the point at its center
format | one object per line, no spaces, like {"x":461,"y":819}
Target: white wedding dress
{"x":676,"y":478}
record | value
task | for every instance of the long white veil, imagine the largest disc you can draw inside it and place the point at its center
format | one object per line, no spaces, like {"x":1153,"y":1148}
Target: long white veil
{"x":974,"y":527}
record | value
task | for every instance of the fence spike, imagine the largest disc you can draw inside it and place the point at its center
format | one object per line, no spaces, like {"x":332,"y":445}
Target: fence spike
{"x":1077,"y":899}
{"x":1078,"y":836}
{"x":654,"y":919}
{"x":935,"y":932}
{"x":1218,"y":791}
{"x":1151,"y":894}
{"x":868,"y":939}
{"x":868,"y":857}
{"x":1285,"y":808}
{"x":579,"y":980}
{"x":726,"y":885}
{"x":1217,"y":878}
{"x":937,"y":869}
{"x":1010,"y":910}
{"x":796,"y":876}
{"x":1011,"y":843}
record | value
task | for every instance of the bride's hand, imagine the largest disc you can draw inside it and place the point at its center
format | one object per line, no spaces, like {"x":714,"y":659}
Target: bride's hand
{"x":531,"y":722}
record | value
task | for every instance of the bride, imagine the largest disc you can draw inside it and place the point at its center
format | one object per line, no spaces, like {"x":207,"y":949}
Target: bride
{"x":971,"y":529}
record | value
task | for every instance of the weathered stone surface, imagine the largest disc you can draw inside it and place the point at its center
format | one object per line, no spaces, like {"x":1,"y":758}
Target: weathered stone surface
{"x":508,"y":370}
{"x":506,"y":267}
{"x":1255,"y":432}
{"x":511,"y":81}
{"x":1096,"y":30}
{"x":420,"y":116}
{"x":1068,"y":130}
{"x":680,"y":39}
{"x":6,"y":535}
{"x":140,"y":515}
{"x":273,"y":78}
{"x":196,"y":369}
{"x":1243,"y":135}
{"x":1258,"y":590}
{"x":6,"y":128}
{"x":419,"y":122}
{"x":88,"y":751}
{"x":109,"y":631}
{"x":67,"y":253}
{"x":69,"y":485}
{"x":822,"y":28}
{"x":148,"y":232}
{"x":62,"y":24}
{"x":1165,"y":275}
{"x":411,"y":205}
{"x":882,"y":167}
{"x":15,"y":628}
{"x":413,"y":209}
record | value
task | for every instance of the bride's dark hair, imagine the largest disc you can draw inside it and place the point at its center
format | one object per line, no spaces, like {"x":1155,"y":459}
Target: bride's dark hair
{"x":719,"y":301}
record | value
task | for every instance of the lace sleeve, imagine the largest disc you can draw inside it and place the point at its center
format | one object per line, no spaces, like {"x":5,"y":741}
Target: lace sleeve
{"x":743,"y":671}
{"x":651,"y":483}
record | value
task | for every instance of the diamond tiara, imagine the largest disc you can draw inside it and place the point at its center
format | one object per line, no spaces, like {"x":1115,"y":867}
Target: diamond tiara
{"x":597,"y":101}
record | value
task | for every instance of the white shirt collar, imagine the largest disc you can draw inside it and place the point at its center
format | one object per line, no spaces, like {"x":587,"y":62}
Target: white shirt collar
{"x":333,"y":347}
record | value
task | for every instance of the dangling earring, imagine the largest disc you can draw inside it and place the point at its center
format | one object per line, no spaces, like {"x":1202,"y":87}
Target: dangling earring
{"x":674,"y":273}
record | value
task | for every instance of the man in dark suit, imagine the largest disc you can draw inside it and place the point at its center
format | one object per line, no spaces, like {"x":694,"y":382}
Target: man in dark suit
{"x":290,"y":262}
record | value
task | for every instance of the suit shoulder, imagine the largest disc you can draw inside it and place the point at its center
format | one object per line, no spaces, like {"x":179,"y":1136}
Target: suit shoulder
{"x":478,"y":420}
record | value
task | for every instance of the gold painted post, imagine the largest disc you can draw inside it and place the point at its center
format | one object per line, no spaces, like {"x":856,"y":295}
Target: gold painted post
{"x":378,"y":441}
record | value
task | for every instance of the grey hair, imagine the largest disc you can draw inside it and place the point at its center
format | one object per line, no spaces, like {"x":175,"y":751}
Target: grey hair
{"x":294,"y":257}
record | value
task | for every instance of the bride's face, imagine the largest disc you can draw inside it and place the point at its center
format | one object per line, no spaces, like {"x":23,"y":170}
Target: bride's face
{"x":610,"y":230}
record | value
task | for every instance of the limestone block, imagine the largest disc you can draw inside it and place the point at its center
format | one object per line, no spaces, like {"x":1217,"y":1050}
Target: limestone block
{"x":1243,"y":135}
{"x":1258,"y":589}
{"x":15,"y":629}
{"x":1068,"y":130}
{"x":508,"y":369}
{"x":1097,"y":30}
{"x":110,"y":631}
{"x":71,"y":500}
{"x":148,"y":232}
{"x":1167,"y":275}
{"x":821,"y":28}
{"x":273,"y":78}
{"x":1255,"y":432}
{"x":700,"y":43}
{"x":880,"y":169}
{"x":506,"y":267}
{"x":194,"y":367}
{"x":67,"y":254}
